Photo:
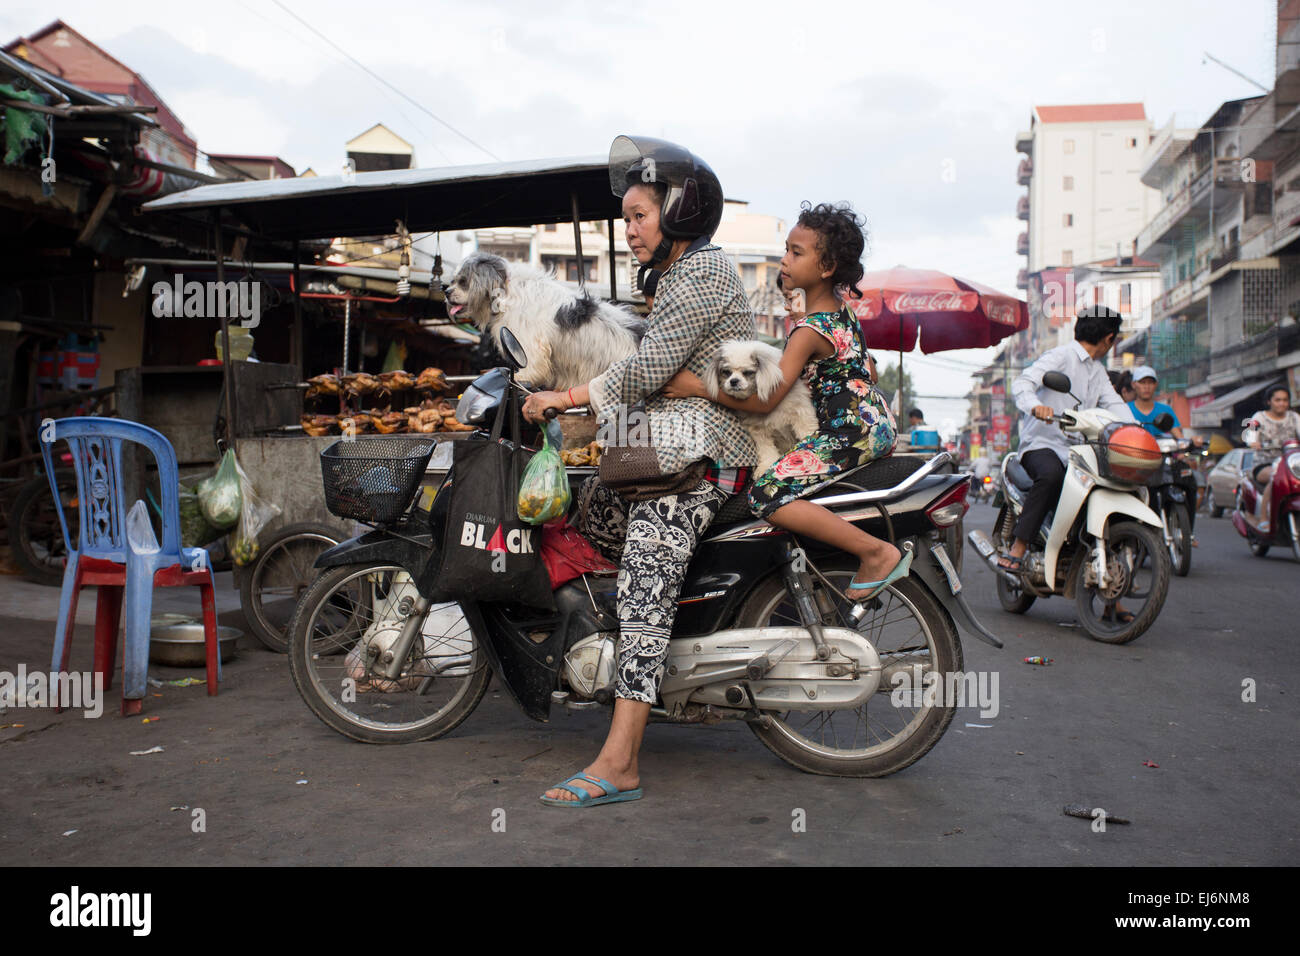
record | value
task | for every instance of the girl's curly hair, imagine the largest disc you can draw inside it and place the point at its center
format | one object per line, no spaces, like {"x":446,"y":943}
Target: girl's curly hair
{"x":841,"y":241}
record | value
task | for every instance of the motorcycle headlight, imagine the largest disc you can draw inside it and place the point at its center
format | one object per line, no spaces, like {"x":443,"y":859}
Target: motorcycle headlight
{"x":1293,"y":463}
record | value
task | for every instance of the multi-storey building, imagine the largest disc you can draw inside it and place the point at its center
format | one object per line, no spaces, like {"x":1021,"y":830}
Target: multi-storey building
{"x":1084,"y":202}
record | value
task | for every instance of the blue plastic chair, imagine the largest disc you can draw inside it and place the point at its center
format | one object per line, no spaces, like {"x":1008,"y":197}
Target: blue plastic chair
{"x":117,"y":552}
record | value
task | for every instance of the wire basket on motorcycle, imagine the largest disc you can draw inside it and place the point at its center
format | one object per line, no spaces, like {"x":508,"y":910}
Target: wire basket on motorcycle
{"x":373,"y":480}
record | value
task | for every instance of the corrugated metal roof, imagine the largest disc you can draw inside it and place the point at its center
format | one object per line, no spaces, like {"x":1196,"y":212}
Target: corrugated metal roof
{"x":521,"y":193}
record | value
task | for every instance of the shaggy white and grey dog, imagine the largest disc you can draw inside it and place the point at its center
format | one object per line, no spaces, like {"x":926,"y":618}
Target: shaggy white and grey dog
{"x":743,"y":369}
{"x":570,"y":338}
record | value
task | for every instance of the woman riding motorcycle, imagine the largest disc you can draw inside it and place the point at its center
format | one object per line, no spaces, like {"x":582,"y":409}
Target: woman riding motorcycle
{"x":1277,"y":426}
{"x":672,"y":204}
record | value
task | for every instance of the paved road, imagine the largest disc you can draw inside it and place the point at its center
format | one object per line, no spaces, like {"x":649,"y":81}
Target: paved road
{"x":1076,"y":732}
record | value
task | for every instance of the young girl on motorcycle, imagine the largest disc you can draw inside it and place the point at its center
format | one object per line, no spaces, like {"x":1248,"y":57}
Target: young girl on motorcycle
{"x":823,"y":257}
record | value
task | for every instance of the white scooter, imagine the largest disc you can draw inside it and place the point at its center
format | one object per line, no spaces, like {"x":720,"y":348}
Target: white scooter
{"x":1103,"y":545}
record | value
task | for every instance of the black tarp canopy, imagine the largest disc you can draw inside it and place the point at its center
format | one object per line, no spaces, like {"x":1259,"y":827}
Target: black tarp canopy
{"x":522,"y":193}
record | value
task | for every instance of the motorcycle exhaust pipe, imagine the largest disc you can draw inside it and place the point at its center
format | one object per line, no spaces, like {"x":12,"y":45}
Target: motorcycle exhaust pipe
{"x":982,"y":544}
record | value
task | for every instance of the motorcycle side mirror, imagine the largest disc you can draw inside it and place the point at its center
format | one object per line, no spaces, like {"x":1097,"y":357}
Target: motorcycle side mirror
{"x":1057,"y":381}
{"x":1164,"y":421}
{"x":514,"y":351}
{"x":1249,"y":423}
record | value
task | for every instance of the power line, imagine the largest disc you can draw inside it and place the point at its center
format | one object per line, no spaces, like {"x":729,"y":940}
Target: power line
{"x":380,"y":79}
{"x":317,"y":49}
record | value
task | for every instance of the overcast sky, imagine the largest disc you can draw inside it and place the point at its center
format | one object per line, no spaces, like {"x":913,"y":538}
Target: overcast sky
{"x":864,"y":101}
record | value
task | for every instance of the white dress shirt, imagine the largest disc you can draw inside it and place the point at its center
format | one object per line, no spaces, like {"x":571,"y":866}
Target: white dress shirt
{"x":1088,"y":381}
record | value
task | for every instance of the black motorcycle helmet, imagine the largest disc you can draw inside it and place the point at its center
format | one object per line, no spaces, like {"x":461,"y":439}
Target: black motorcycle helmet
{"x":692,"y":205}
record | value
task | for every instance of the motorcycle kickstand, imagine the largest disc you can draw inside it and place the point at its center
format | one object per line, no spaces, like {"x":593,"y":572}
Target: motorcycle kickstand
{"x":752,"y":714}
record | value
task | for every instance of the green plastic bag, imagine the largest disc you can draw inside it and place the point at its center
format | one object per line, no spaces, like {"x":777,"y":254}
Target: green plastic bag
{"x":544,"y":492}
{"x":219,"y":496}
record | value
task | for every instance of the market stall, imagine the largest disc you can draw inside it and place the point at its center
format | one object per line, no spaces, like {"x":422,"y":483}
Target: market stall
{"x":277,"y":418}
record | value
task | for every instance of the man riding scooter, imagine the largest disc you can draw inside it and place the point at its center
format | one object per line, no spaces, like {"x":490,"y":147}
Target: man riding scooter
{"x":1043,"y":446}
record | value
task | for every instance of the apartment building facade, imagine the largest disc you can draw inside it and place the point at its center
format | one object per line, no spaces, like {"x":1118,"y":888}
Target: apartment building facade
{"x":1227,"y":237}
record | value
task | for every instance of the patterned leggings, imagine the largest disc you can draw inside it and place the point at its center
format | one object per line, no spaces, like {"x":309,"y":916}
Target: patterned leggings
{"x":652,"y":542}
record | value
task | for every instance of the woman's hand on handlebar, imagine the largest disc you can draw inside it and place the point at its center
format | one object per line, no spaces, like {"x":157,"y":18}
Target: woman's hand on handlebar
{"x":537,"y":404}
{"x":1044,"y":412}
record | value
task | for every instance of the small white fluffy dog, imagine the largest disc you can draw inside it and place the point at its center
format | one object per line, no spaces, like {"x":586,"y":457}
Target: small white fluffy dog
{"x":742,"y":369}
{"x":569,"y":338}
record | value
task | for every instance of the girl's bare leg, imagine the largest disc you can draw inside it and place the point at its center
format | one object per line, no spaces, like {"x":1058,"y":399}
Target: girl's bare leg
{"x":617,"y":760}
{"x":877,"y":558}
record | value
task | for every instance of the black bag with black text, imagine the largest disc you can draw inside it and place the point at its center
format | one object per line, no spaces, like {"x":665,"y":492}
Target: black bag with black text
{"x":488,"y":552}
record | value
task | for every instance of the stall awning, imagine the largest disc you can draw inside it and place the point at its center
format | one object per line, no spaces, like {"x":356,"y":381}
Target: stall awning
{"x":1213,"y":413}
{"x":523,"y":193}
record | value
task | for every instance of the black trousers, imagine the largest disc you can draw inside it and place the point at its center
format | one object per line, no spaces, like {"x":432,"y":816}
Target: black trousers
{"x":1048,"y":472}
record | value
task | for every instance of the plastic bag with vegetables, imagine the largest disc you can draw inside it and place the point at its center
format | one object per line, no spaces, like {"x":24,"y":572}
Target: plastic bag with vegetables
{"x":255,"y":513}
{"x":219,"y":495}
{"x":544,"y":491}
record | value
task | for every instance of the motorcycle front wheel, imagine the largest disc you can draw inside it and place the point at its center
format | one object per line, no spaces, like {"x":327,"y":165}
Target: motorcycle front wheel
{"x":877,"y":738}
{"x":1015,"y":600}
{"x":443,"y":680}
{"x":1293,"y":523}
{"x":1138,"y":570}
{"x":1178,"y":525}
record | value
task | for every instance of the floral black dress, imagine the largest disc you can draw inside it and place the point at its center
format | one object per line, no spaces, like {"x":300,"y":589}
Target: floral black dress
{"x":856,"y":425}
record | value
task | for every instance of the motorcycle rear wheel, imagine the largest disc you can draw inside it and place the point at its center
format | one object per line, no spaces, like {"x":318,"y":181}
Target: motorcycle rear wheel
{"x":908,"y":623}
{"x":330,"y":617}
{"x":1147,"y":564}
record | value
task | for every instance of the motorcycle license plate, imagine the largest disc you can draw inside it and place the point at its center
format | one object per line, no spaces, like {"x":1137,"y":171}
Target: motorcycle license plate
{"x":941,"y":555}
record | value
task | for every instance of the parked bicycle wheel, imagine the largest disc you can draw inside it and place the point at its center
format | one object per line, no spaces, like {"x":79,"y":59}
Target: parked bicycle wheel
{"x":35,"y":536}
{"x":279,"y":575}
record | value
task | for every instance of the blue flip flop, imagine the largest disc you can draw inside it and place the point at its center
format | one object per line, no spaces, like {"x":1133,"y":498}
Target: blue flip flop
{"x":611,"y":795}
{"x":901,"y":570}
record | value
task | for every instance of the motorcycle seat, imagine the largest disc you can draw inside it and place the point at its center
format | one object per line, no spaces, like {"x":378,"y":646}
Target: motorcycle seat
{"x":873,"y":476}
{"x":1016,"y":472}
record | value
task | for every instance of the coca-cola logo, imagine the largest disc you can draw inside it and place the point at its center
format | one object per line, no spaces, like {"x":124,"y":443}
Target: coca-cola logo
{"x":1003,"y":313}
{"x":868,"y":307}
{"x":934,"y":302}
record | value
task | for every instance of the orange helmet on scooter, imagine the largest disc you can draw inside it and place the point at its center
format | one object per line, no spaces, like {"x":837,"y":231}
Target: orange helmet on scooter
{"x":1129,"y":453}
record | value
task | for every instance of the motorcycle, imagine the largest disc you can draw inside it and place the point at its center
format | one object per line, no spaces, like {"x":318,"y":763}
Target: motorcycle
{"x":982,"y":488}
{"x":1102,"y":543}
{"x":763,"y":633}
{"x":1174,"y":499}
{"x":1284,"y":504}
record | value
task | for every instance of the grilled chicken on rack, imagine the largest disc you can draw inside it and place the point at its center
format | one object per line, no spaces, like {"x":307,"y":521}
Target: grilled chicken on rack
{"x":322,"y":385}
{"x":319,"y":426}
{"x":361,"y":383}
{"x":386,"y":423}
{"x":397,"y":381}
{"x":432,"y":380}
{"x":355,"y":424}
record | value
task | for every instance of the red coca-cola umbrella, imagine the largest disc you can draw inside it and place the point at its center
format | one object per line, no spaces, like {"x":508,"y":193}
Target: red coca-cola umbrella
{"x":900,"y":304}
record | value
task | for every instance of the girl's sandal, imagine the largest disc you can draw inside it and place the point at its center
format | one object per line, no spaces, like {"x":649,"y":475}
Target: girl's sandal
{"x":901,"y":570}
{"x":1012,"y":565}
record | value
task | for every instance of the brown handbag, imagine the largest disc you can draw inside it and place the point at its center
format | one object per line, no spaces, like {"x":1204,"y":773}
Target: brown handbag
{"x":634,"y":472}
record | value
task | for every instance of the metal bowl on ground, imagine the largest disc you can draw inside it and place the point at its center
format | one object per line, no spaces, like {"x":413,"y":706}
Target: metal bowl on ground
{"x":182,"y":645}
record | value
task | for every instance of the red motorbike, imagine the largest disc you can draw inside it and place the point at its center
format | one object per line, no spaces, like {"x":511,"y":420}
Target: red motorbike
{"x":1284,"y":504}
